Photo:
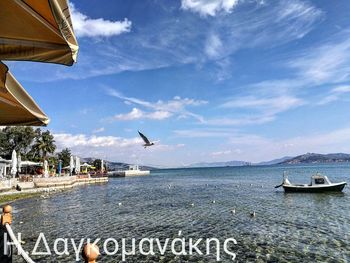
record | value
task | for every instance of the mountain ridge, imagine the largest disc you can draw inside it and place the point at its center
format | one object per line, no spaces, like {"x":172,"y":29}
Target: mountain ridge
{"x":307,"y":158}
{"x":303,"y":158}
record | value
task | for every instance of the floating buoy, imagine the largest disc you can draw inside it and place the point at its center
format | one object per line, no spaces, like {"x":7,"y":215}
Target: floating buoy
{"x":192,"y":204}
{"x":233,"y":211}
{"x":213,"y":201}
{"x":252,"y":214}
{"x":119,"y":204}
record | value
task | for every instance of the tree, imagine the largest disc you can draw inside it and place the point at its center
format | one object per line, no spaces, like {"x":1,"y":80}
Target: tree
{"x":97,"y":164}
{"x":16,"y":138}
{"x":44,"y":144}
{"x":64,"y":155}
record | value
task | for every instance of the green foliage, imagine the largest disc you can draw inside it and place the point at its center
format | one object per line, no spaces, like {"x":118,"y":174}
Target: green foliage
{"x":29,"y":143}
{"x":16,"y":138}
{"x":44,"y":144}
{"x":64,"y":155}
{"x":97,"y":164}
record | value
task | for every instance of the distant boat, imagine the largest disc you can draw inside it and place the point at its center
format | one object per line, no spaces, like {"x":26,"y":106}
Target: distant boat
{"x":319,"y":183}
{"x":133,"y":170}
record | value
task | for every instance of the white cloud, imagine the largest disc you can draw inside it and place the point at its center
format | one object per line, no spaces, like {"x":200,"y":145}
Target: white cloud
{"x":258,"y":148}
{"x":327,"y":63}
{"x":88,"y":27}
{"x":182,"y":39}
{"x":220,"y":153}
{"x":209,"y":7}
{"x":242,"y":121}
{"x":270,"y":105}
{"x":137,"y":114}
{"x":257,"y":110}
{"x":98,"y":130}
{"x":114,"y":148}
{"x":341,"y":89}
{"x":64,"y":140}
{"x":214,"y":46}
{"x":161,"y":109}
{"x":335,"y":94}
{"x":204,"y":133}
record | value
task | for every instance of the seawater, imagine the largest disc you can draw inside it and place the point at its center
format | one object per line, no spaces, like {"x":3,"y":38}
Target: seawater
{"x":286,"y":228}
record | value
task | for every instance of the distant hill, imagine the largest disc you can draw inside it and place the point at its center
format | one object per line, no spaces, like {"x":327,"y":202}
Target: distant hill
{"x":319,"y":158}
{"x":304,"y":158}
{"x":219,"y":164}
{"x":301,"y":159}
{"x":275,"y":161}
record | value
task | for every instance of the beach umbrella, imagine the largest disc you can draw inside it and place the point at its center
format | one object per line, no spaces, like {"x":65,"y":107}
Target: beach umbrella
{"x":14,"y":164}
{"x":37,"y":30}
{"x":19,"y":162}
{"x":2,"y":171}
{"x":59,"y":167}
{"x":16,"y":106}
{"x":46,"y":169}
{"x":77,"y":164}
{"x":71,"y":164}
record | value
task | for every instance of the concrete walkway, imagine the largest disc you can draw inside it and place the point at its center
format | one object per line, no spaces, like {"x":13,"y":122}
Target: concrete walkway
{"x":45,"y":185}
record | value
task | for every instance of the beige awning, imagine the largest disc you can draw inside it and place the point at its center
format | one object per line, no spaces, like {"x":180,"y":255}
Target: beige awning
{"x":37,"y":30}
{"x":16,"y":106}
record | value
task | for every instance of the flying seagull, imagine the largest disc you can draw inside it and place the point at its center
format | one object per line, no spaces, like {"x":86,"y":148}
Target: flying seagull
{"x":145,"y":139}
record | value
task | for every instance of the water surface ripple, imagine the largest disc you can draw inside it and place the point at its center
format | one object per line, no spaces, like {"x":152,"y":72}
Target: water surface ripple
{"x":287,"y":227}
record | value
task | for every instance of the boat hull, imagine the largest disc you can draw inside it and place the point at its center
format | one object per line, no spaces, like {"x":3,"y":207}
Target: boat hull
{"x":314,"y":189}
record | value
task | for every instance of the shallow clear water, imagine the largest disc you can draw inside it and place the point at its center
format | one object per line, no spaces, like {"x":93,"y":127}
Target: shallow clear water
{"x":287,"y":227}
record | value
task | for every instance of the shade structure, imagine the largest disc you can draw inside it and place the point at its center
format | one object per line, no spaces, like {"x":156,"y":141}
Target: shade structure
{"x":59,"y":167}
{"x":37,"y":30}
{"x":46,"y":169}
{"x":19,"y":162}
{"x":77,"y":164}
{"x":71,"y":165}
{"x":14,"y":164}
{"x":16,"y":106}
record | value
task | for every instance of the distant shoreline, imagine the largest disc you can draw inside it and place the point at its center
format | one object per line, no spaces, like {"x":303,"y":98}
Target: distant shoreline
{"x":45,"y":187}
{"x":258,"y":165}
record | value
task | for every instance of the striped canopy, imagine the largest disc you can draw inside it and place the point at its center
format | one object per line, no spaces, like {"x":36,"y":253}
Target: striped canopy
{"x":37,"y":30}
{"x":16,"y":106}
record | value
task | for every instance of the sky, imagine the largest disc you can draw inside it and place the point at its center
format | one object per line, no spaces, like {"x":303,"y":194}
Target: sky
{"x":207,"y":80}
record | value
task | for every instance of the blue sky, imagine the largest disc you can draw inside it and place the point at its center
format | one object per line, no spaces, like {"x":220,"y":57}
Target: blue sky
{"x":209,"y":80}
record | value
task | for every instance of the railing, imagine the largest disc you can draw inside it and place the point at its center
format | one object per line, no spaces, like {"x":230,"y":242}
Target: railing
{"x":90,"y":251}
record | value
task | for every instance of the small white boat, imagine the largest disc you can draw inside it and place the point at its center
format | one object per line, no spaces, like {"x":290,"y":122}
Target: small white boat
{"x":319,"y":183}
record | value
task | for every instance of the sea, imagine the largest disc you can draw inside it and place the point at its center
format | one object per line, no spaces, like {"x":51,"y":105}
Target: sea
{"x":208,"y":205}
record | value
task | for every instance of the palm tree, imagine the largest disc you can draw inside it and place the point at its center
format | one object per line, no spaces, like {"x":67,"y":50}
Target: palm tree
{"x":64,"y":155}
{"x":44,"y":144}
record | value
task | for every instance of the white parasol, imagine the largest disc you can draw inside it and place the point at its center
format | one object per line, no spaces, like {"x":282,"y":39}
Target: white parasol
{"x":71,"y":164}
{"x":46,"y":169}
{"x":14,"y":164}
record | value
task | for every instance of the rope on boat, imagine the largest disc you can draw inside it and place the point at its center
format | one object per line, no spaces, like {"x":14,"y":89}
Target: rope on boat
{"x":19,"y":247}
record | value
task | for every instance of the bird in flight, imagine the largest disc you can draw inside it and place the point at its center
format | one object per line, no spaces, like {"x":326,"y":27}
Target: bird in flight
{"x":145,"y":139}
